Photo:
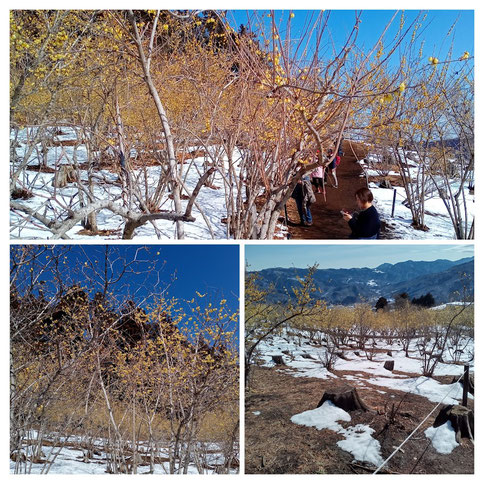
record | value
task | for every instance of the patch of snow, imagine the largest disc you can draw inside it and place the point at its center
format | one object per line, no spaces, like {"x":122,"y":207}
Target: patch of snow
{"x":358,"y":439}
{"x":443,"y":438}
{"x":426,"y":387}
{"x":324,"y":417}
{"x":359,"y":442}
{"x":437,"y":218}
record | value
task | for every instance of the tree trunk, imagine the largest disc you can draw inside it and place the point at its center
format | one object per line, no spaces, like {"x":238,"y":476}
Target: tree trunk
{"x":172,"y":162}
{"x":461,"y":418}
{"x":277,"y":359}
{"x":345,"y":397}
{"x":389,"y":365}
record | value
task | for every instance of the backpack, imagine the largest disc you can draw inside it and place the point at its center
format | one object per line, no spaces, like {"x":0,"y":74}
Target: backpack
{"x":338,"y":160}
{"x":308,"y":191}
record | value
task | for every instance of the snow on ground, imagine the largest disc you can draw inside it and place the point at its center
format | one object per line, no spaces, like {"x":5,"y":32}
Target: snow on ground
{"x":436,"y":216}
{"x":302,"y":359}
{"x":443,"y":438}
{"x":359,"y":442}
{"x":211,"y":201}
{"x":424,"y":386}
{"x":51,"y":202}
{"x":326,"y":416}
{"x":357,"y":439}
{"x":70,"y":460}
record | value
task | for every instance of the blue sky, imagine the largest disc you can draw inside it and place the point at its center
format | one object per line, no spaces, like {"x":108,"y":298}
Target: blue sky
{"x":209,"y":269}
{"x":435,"y":27}
{"x":349,"y":256}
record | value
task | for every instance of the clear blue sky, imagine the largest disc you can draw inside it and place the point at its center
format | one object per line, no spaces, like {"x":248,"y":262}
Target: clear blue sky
{"x":209,"y":269}
{"x":349,"y":256}
{"x":434,"y":29}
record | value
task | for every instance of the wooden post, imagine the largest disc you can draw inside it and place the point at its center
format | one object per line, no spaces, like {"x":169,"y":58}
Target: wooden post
{"x":394,"y":198}
{"x":465,"y":391}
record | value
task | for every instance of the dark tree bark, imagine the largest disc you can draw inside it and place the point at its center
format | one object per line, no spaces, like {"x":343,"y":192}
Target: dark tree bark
{"x":277,"y":359}
{"x":345,"y":397}
{"x":461,"y":418}
{"x":389,"y":365}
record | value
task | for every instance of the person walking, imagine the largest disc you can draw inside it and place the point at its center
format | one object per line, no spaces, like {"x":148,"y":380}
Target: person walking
{"x":364,"y":224}
{"x":304,"y":196}
{"x":317,"y":177}
{"x":331,"y":168}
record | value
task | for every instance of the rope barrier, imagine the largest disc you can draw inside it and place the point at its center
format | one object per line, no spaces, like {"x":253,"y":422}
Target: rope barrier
{"x":413,"y":432}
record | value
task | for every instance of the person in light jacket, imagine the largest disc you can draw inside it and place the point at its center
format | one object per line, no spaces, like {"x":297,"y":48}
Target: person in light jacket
{"x":317,"y":177}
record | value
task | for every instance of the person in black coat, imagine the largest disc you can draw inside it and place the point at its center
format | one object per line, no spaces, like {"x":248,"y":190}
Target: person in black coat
{"x":366,"y":223}
{"x":304,"y":196}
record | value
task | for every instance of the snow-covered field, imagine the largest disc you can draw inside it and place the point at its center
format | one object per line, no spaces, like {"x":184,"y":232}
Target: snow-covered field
{"x":68,"y":457}
{"x":302,"y":358}
{"x":436,"y":215}
{"x":209,"y":210}
{"x":52,"y":202}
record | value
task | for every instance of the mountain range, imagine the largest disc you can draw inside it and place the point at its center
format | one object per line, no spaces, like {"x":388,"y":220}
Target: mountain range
{"x":446,"y":280}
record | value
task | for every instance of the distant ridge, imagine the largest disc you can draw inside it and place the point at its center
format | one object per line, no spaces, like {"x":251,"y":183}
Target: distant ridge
{"x":445,"y":279}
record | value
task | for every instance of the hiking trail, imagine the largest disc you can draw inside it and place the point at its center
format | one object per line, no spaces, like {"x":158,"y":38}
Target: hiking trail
{"x":327,"y":220}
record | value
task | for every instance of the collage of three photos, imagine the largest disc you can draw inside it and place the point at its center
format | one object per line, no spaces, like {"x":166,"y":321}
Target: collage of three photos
{"x":241,"y":242}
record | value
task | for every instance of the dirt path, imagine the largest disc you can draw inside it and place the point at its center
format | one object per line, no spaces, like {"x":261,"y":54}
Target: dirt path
{"x":327,"y":220}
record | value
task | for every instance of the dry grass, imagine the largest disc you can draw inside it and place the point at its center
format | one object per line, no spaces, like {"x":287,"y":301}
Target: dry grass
{"x":274,"y":445}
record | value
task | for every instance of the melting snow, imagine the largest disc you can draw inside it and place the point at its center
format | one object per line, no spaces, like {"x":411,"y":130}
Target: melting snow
{"x":357,"y":440}
{"x":324,"y":417}
{"x":443,"y":438}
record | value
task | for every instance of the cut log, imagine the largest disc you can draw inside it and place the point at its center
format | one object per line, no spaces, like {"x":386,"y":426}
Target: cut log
{"x":461,"y":418}
{"x":389,"y":365}
{"x":345,"y":397}
{"x":277,"y":359}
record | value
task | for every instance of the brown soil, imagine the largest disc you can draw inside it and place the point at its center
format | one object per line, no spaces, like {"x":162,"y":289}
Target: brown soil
{"x":327,"y":220}
{"x":274,"y":445}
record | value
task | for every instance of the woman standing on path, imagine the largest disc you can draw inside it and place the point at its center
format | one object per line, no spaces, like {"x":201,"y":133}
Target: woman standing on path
{"x":366,"y":223}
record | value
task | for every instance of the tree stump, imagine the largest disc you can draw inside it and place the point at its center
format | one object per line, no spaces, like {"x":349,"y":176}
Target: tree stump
{"x":389,"y":365}
{"x":345,"y":397}
{"x":385,"y":183}
{"x":64,"y":175}
{"x":277,"y":359}
{"x":461,"y":418}
{"x":389,"y":353}
{"x":307,"y":356}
